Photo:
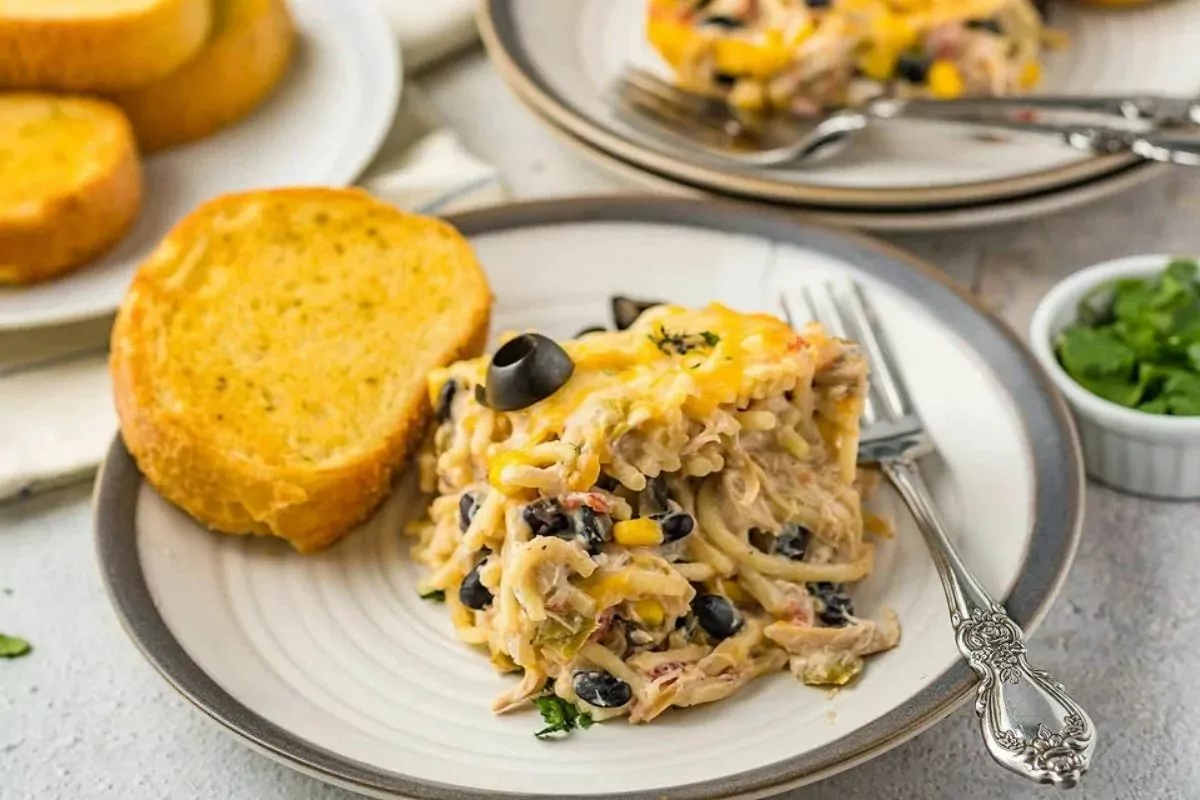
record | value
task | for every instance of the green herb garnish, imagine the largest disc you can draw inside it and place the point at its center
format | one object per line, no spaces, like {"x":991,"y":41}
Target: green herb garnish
{"x":682,"y":343}
{"x":560,"y":716}
{"x":15,"y":647}
{"x":437,"y":596}
{"x":1137,"y":342}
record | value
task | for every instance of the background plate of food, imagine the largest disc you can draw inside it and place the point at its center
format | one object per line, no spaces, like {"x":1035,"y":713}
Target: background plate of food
{"x":345,"y":663}
{"x":277,"y":94}
{"x":563,"y":60}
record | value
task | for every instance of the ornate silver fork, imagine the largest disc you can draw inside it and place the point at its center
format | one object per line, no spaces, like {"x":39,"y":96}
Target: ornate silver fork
{"x":1030,"y":724}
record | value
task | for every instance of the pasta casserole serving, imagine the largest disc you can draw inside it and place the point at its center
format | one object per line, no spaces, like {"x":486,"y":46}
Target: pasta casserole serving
{"x":653,"y":517}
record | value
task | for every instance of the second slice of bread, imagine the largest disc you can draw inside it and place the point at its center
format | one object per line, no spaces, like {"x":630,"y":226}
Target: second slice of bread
{"x":245,"y":57}
{"x":269,"y":360}
{"x":97,"y":45}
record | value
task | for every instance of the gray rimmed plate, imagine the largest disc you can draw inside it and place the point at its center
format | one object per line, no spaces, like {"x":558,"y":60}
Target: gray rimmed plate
{"x":561,"y":57}
{"x":333,"y":665}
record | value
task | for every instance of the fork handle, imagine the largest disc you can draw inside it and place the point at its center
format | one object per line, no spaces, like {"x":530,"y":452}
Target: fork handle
{"x":1029,"y":723}
{"x":1159,"y":110}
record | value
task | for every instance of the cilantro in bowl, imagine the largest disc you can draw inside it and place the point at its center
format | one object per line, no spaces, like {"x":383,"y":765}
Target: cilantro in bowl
{"x":1136,"y":342}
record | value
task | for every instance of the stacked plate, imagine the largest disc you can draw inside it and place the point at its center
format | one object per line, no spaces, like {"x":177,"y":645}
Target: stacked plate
{"x":561,"y":58}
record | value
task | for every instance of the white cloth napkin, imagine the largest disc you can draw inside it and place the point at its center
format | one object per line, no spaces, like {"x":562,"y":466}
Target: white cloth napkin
{"x":56,"y":411}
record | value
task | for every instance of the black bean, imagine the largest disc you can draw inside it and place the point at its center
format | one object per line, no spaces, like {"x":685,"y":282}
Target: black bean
{"x":598,"y":688}
{"x":607,"y":482}
{"x":723,"y":21}
{"x":545,"y":517}
{"x":472,"y":593}
{"x":675,"y":525}
{"x":792,"y":541}
{"x":990,"y":25}
{"x":468,"y":506}
{"x":724,"y":80}
{"x":761,"y":540}
{"x":837,"y":605}
{"x":655,"y":499}
{"x":592,"y":529}
{"x":913,"y":67}
{"x":716,"y":615}
{"x":445,"y":399}
{"x":818,"y":3}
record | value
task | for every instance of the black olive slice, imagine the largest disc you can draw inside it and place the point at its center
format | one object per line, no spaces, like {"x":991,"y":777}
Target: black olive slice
{"x":527,"y":369}
{"x":627,"y":309}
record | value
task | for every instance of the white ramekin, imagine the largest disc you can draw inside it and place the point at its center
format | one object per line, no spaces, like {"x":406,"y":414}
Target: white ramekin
{"x":1142,"y":453}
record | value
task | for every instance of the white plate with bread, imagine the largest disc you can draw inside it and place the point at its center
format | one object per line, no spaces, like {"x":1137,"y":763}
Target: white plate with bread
{"x":187,"y":100}
{"x":288,"y":403}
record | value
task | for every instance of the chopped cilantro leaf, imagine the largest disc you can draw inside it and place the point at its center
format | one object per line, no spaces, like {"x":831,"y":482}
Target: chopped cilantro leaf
{"x":560,"y":716}
{"x":682,"y":343}
{"x":13,"y":646}
{"x":437,"y":596}
{"x":1136,"y":341}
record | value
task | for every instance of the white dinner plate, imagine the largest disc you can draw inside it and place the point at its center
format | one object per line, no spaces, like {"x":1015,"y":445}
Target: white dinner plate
{"x":562,"y":57}
{"x":332,"y":664}
{"x":321,"y":126}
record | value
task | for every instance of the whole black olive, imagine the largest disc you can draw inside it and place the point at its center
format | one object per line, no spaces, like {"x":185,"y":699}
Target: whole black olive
{"x":716,"y":615}
{"x":598,"y":688}
{"x":468,"y":505}
{"x":545,"y":517}
{"x":675,"y":525}
{"x":445,"y":398}
{"x":527,"y":369}
{"x":626,"y":310}
{"x":591,"y":329}
{"x":838,"y":607}
{"x":472,"y":593}
{"x":792,"y":541}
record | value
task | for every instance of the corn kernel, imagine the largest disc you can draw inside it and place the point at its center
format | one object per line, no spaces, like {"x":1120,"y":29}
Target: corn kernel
{"x":760,"y":60}
{"x":501,"y":463}
{"x":640,"y":532}
{"x":877,"y":63}
{"x":734,"y":591}
{"x":650,"y":612}
{"x":945,"y":81}
{"x":893,"y":32}
{"x":1031,"y":75}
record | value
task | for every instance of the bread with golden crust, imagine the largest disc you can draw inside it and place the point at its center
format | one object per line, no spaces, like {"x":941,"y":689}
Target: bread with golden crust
{"x":270,"y":357}
{"x":246,"y":55}
{"x":97,"y":45}
{"x":70,"y":183}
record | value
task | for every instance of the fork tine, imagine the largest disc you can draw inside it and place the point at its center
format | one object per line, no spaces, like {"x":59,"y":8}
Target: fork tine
{"x":827,"y":314}
{"x":677,"y":119}
{"x":677,"y":97}
{"x":886,"y":376}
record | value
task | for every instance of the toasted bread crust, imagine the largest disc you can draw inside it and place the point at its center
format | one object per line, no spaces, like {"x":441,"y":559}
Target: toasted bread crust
{"x":41,"y":238}
{"x":311,"y":507}
{"x":245,"y":58}
{"x":98,"y":50}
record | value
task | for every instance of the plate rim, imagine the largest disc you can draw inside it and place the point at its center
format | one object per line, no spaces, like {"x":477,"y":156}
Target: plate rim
{"x":1058,"y":505}
{"x":961,"y":217}
{"x":351,"y":163}
{"x":498,"y":30}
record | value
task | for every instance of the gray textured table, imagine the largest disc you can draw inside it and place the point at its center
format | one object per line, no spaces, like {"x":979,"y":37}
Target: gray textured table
{"x":85,"y":717}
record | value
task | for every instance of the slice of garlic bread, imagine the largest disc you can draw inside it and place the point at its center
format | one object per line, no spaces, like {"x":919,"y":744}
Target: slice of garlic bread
{"x":246,"y":56}
{"x":70,"y":183}
{"x":97,"y":45}
{"x":269,"y":360}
